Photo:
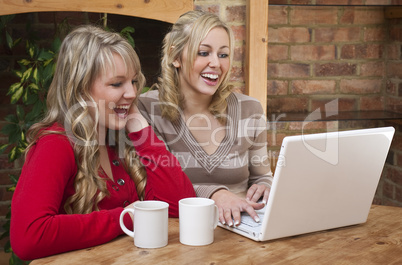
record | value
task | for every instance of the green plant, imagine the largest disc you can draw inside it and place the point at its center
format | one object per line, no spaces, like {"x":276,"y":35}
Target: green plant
{"x":35,"y":74}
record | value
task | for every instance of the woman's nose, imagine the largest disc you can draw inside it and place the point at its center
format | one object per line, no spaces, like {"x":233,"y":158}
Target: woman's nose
{"x":131,"y":91}
{"x":214,"y":61}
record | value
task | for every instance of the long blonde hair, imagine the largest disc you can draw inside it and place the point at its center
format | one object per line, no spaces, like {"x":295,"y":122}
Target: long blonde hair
{"x":85,"y":54}
{"x":190,"y":30}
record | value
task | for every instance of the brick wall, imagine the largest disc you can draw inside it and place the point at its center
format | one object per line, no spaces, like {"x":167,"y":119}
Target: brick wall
{"x":316,"y":54}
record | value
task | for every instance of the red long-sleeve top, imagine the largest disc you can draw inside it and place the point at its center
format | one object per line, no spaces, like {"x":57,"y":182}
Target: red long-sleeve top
{"x":39,"y":225}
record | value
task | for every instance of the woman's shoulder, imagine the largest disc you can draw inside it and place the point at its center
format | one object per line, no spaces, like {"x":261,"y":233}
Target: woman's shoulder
{"x":53,"y":134}
{"x":149,"y":95}
{"x":246,"y":103}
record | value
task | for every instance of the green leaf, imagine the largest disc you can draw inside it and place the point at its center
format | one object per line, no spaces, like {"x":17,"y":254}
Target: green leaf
{"x":30,"y":97}
{"x":9,"y":129}
{"x":14,"y":154}
{"x":56,"y":45}
{"x":20,"y":113}
{"x":9,"y":40}
{"x":35,"y":74}
{"x":31,"y":50}
{"x":26,"y":74}
{"x":17,"y":95}
{"x":3,"y":147}
{"x":24,"y":62}
{"x":14,"y":87}
{"x":45,"y":55}
{"x":36,"y":112}
{"x":11,"y":118}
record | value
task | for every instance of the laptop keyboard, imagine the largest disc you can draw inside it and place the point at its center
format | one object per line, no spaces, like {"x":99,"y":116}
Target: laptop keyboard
{"x":247,"y":220}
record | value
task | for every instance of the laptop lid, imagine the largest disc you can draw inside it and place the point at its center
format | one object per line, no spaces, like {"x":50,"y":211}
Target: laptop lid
{"x":325,"y":181}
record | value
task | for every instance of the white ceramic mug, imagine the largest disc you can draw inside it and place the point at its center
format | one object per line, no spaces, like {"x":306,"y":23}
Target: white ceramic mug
{"x":150,"y":224}
{"x":198,"y":218}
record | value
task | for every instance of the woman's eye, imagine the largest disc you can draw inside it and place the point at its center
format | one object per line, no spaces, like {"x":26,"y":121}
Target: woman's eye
{"x":203,"y":53}
{"x":134,"y":81}
{"x":223,"y":55}
{"x":118,"y":84}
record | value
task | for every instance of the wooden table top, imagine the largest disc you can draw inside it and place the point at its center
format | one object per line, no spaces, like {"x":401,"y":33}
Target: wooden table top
{"x":378,"y":241}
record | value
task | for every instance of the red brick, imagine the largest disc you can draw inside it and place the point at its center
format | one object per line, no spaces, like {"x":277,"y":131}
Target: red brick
{"x":335,"y":69}
{"x":277,"y":87}
{"x":313,"y":126}
{"x":371,"y":103}
{"x":394,"y":69}
{"x":5,"y":195}
{"x":344,"y":104}
{"x":209,"y":8}
{"x":398,"y":194}
{"x":395,"y":34}
{"x":287,"y":104}
{"x":288,"y":70}
{"x":372,"y":69}
{"x":275,"y":138}
{"x":362,"y":51}
{"x":391,"y":88}
{"x":394,"y":175}
{"x":278,"y":2}
{"x":5,"y":176}
{"x":394,"y":104}
{"x":377,"y":2}
{"x":337,"y":34}
{"x":277,"y":15}
{"x":286,"y":35}
{"x":399,"y":159}
{"x":4,"y":164}
{"x":312,"y":52}
{"x":277,"y":52}
{"x":393,"y":51}
{"x":238,"y":53}
{"x":397,"y":144}
{"x":388,"y":190}
{"x":358,"y":86}
{"x":300,"y":2}
{"x":302,"y":87}
{"x":375,"y":34}
{"x":313,"y":16}
{"x":236,"y":13}
{"x":236,"y":74}
{"x":339,"y":2}
{"x":239,"y":32}
{"x":366,"y":16}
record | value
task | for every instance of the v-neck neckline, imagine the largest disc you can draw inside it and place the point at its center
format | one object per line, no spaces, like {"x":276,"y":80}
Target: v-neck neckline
{"x":210,"y":161}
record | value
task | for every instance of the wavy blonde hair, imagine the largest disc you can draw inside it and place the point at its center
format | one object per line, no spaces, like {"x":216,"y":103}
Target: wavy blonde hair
{"x":85,"y":54}
{"x":190,"y":30}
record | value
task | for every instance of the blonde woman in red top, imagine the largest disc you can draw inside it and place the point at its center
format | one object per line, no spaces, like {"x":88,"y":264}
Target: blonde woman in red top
{"x":93,"y":154}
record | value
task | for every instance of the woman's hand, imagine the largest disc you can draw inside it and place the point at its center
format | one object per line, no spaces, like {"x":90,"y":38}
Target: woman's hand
{"x":256,"y":191}
{"x":230,"y":206}
{"x":135,"y":120}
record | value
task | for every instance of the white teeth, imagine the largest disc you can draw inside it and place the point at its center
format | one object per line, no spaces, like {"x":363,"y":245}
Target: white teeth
{"x":210,"y":76}
{"x":122,"y":107}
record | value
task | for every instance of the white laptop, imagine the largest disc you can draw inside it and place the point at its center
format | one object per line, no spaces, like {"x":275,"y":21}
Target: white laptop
{"x":322,"y":181}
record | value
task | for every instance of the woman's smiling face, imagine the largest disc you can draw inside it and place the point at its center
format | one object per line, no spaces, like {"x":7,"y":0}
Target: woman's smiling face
{"x":210,"y":65}
{"x":114,"y":92}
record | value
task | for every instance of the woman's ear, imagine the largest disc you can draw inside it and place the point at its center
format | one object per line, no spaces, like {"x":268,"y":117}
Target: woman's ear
{"x":176,"y":63}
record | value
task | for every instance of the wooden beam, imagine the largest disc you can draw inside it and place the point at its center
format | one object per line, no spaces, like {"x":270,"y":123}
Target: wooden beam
{"x":163,"y":10}
{"x":256,"y":65}
{"x":393,"y":12}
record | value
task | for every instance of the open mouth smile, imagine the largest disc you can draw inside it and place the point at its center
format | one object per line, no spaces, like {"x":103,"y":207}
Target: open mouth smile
{"x":210,"y":79}
{"x":121,"y":111}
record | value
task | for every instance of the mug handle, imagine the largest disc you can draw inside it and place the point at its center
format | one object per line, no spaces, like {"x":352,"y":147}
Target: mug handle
{"x":125,"y":230}
{"x":216,"y":217}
